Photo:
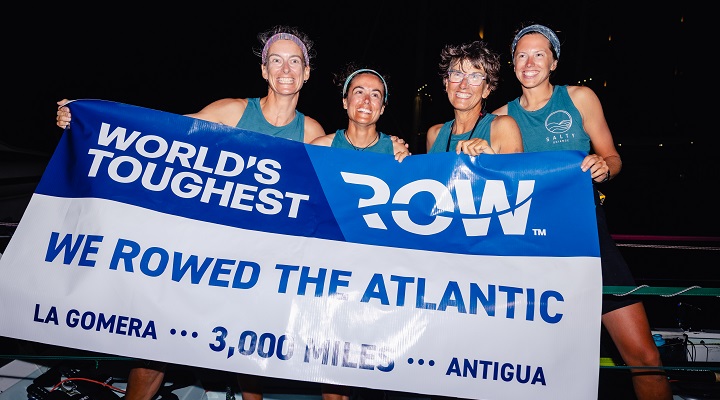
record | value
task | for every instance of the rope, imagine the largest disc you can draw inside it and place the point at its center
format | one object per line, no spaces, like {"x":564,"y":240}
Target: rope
{"x":665,"y":367}
{"x":666,"y":238}
{"x":656,"y":238}
{"x":661,"y":291}
{"x":665,"y":246}
{"x":64,"y":357}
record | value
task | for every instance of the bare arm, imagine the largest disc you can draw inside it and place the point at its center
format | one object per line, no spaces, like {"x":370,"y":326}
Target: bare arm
{"x":505,"y":135}
{"x":605,"y":157}
{"x":313,"y":130}
{"x":324,"y":140}
{"x":224,"y":111}
{"x":431,"y":136}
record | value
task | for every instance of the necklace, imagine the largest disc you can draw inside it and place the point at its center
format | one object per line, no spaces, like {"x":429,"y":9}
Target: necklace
{"x":361,"y":148}
{"x":447,"y":147}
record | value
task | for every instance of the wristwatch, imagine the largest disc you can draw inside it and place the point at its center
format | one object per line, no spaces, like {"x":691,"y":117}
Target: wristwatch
{"x":607,"y":177}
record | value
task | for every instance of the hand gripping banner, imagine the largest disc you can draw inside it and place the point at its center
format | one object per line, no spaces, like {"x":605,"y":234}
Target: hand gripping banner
{"x":163,"y":237}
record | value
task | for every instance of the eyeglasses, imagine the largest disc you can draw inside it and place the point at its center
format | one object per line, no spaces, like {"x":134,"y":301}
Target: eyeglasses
{"x":456,"y":76}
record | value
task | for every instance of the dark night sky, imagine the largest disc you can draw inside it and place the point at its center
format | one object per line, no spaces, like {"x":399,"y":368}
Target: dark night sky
{"x":179,"y":60}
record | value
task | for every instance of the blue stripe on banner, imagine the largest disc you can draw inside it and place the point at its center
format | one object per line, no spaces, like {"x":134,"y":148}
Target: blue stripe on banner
{"x":190,"y":168}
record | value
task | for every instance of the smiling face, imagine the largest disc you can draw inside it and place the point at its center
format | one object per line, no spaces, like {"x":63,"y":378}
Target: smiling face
{"x":285,"y":69}
{"x":533,"y":61}
{"x":365,"y":100}
{"x":463,"y":95}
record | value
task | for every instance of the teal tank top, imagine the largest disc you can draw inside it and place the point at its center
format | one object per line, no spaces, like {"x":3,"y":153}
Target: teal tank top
{"x":556,"y":126}
{"x":253,"y":120}
{"x":446,"y":141}
{"x":384,"y":144}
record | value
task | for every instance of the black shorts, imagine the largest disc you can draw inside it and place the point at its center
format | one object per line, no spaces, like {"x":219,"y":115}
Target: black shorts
{"x":615,"y":271}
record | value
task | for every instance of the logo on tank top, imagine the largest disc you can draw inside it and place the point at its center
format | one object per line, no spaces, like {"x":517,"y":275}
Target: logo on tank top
{"x":558,"y":122}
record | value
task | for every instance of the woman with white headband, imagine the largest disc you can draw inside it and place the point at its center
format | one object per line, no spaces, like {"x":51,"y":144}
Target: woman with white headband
{"x":365,"y":95}
{"x":560,"y":117}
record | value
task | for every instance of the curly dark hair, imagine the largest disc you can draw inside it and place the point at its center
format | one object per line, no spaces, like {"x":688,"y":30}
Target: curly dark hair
{"x":478,"y":54}
{"x":263,"y":37}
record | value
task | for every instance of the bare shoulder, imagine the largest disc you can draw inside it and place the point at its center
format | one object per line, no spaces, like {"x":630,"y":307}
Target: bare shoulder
{"x":505,"y":135}
{"x":225,"y":111}
{"x":434,"y":130}
{"x":506,"y":125}
{"x":324,"y":140}
{"x":431,"y":136}
{"x":582,"y":95}
{"x":313,"y":130}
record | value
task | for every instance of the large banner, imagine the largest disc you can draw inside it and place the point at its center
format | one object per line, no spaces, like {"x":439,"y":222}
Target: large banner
{"x":163,"y":237}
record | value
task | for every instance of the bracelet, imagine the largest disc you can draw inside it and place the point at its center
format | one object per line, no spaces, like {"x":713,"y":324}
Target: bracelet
{"x":607,"y":177}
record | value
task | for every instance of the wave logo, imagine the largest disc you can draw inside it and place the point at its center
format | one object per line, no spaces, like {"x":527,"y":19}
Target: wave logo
{"x":476,"y":221}
{"x":559,"y":122}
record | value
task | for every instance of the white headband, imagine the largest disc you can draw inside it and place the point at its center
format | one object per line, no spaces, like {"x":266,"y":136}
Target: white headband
{"x":360,"y":71}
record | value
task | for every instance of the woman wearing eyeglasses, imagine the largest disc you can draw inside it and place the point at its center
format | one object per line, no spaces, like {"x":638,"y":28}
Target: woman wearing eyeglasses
{"x":470,"y":72}
{"x":559,"y":117}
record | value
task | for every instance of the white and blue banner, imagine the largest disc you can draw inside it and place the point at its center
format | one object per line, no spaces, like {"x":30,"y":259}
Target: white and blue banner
{"x":163,"y":237}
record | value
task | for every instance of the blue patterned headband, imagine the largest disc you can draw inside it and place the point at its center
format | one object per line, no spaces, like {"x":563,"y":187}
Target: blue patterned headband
{"x":360,"y":71}
{"x":543,"y":30}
